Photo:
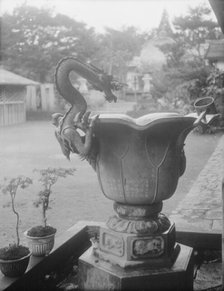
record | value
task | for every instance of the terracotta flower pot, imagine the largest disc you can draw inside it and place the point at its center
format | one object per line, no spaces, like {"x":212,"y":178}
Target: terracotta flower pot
{"x":14,"y":267}
{"x":40,"y":245}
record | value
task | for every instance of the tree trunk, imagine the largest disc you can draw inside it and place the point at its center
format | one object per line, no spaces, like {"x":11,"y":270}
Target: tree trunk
{"x":17,"y":221}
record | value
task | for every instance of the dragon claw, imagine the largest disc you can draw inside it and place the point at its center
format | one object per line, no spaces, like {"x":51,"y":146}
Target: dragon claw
{"x":83,"y":121}
{"x":78,"y":117}
{"x":93,"y":121}
{"x":85,"y":118}
{"x":56,"y":117}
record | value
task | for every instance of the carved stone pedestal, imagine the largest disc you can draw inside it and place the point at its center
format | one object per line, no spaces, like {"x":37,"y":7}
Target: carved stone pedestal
{"x":97,"y":274}
{"x":137,"y":250}
{"x":129,"y":250}
{"x":138,"y":236}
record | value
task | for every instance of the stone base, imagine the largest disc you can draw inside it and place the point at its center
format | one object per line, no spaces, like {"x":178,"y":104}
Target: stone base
{"x":96,"y":274}
{"x":163,"y":261}
{"x":128,"y":249}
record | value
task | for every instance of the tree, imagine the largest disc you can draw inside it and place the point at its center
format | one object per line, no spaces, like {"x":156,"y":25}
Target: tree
{"x":117,"y":48}
{"x":11,"y":187}
{"x":48,"y":178}
{"x":185,"y":75}
{"x":196,"y":27}
{"x":33,"y":41}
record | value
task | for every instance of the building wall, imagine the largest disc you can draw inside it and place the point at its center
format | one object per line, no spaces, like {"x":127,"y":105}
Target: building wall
{"x":220,"y":65}
{"x":12,"y":104}
{"x":40,"y":98}
{"x":31,"y":99}
{"x":47,"y":97}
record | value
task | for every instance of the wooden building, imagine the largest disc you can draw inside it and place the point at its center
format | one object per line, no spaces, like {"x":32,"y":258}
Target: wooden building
{"x":13,"y":94}
{"x":41,"y":98}
{"x":215,"y":53}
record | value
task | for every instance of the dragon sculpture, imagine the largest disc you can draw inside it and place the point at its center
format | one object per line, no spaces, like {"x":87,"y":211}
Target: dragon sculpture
{"x":77,"y":118}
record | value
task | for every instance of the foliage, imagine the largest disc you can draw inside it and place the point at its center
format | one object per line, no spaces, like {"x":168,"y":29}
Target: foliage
{"x":174,"y":52}
{"x":41,"y":231}
{"x":214,"y":84}
{"x":39,"y":39}
{"x":117,"y":48}
{"x":11,"y":186}
{"x":195,"y":27}
{"x":33,"y":40}
{"x":180,"y":86}
{"x":170,"y":78}
{"x":47,"y":178}
{"x":185,"y":75}
{"x":211,"y":84}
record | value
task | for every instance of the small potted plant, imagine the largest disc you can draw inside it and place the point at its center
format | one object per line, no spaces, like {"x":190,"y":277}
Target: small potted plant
{"x":14,"y":258}
{"x":41,"y":237}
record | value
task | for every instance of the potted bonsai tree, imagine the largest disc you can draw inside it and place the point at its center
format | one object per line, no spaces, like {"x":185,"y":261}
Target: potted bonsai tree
{"x":14,"y":258}
{"x":41,"y":237}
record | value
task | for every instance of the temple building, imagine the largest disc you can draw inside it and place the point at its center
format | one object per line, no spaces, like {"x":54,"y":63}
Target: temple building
{"x":151,"y":57}
{"x":215,"y":53}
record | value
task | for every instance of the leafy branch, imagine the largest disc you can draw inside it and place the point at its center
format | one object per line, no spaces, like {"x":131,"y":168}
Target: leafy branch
{"x":48,"y":178}
{"x":11,"y":186}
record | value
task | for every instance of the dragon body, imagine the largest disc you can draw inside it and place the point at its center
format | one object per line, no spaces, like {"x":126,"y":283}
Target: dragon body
{"x":77,"y":118}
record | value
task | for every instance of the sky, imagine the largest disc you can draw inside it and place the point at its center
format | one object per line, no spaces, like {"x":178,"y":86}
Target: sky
{"x":143,"y":14}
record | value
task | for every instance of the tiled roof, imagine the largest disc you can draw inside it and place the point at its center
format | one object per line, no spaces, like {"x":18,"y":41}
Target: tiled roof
{"x":218,"y":8}
{"x":9,"y":78}
{"x":215,"y":50}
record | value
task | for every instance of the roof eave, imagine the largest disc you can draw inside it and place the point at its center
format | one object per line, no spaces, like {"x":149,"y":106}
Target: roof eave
{"x":214,"y":59}
{"x":18,"y":84}
{"x":218,"y":8}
